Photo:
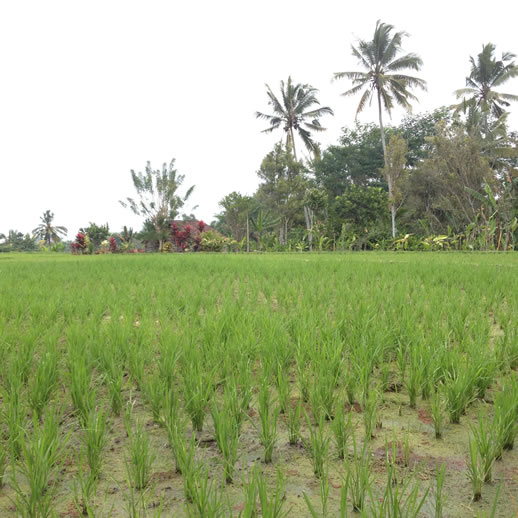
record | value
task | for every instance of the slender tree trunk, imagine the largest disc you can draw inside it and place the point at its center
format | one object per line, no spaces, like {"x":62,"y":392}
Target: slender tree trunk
{"x":292,"y":138}
{"x":308,"y":216}
{"x":247,"y":235}
{"x":385,"y":159}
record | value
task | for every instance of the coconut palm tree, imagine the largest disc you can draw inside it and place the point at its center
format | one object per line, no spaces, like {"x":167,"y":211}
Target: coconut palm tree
{"x":295,"y":112}
{"x":382,"y":77}
{"x":486,"y":74}
{"x":46,"y":231}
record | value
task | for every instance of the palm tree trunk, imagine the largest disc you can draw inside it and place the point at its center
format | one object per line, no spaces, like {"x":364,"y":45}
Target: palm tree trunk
{"x":385,"y":159}
{"x":292,"y":138}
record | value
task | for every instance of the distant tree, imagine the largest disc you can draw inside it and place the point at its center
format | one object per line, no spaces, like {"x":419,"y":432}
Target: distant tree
{"x":282,"y":189}
{"x":295,"y":112}
{"x":357,"y":159}
{"x":436,"y":194}
{"x":96,"y":233}
{"x":382,"y":76}
{"x":47,"y":232}
{"x":237,"y":209}
{"x":397,"y":150}
{"x":159,"y":201}
{"x":488,"y":73}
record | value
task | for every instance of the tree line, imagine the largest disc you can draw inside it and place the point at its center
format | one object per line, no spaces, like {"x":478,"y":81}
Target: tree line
{"x":445,"y":179}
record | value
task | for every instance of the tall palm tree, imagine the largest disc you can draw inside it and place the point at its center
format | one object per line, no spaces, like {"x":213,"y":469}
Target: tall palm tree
{"x":382,"y":77}
{"x":486,"y":74}
{"x":46,"y":231}
{"x":294,"y":113}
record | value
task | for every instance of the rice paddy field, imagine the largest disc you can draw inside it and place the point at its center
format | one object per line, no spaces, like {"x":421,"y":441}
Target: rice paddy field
{"x":365,"y":384}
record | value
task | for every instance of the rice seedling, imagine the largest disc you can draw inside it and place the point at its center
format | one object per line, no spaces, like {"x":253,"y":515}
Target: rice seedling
{"x":95,"y":438}
{"x":506,"y":416}
{"x":13,"y":415}
{"x":154,"y":389}
{"x":283,"y":388}
{"x":85,"y":487}
{"x":3,"y":462}
{"x":141,"y":457}
{"x":317,"y":445}
{"x":271,"y":501}
{"x":83,"y":397}
{"x":437,"y":413}
{"x":294,"y":422}
{"x":227,"y":439}
{"x":486,"y":446}
{"x":475,"y":471}
{"x":400,"y":498}
{"x":268,"y":415}
{"x":43,"y":382}
{"x":304,"y":380}
{"x":458,"y":393}
{"x":359,"y":476}
{"x":370,"y":418}
{"x":440,"y":474}
{"x":189,"y":468}
{"x":198,"y":392}
{"x":206,"y":500}
{"x":413,"y":381}
{"x":39,"y":464}
{"x":342,"y":429}
{"x":250,"y":494}
{"x":324,"y":496}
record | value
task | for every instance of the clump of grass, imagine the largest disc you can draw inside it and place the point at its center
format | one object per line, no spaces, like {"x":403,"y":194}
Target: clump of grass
{"x":141,"y":457}
{"x":175,"y":425}
{"x":359,"y":476}
{"x":43,"y":382}
{"x":95,"y":437}
{"x":39,"y":464}
{"x":13,"y":415}
{"x":440,"y":474}
{"x":154,"y":389}
{"x":370,"y":408}
{"x":324,"y":496}
{"x":283,"y":388}
{"x":486,"y":446}
{"x":198,"y":390}
{"x":458,"y":394}
{"x":293,"y":422}
{"x":342,"y":429}
{"x":437,"y":413}
{"x":318,"y":445}
{"x":85,"y":487}
{"x":268,"y":415}
{"x":475,"y":471}
{"x":271,"y":501}
{"x":227,"y":438}
{"x":81,"y":392}
{"x":505,"y":420}
{"x":3,"y":462}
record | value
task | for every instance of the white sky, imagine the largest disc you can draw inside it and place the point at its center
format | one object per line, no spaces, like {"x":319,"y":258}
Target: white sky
{"x":92,"y":89}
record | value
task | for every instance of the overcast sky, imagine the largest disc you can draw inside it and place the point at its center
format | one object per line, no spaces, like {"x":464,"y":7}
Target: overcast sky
{"x":92,"y":89}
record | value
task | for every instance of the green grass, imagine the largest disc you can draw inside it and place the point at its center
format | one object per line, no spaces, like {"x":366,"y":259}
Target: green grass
{"x":153,"y":384}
